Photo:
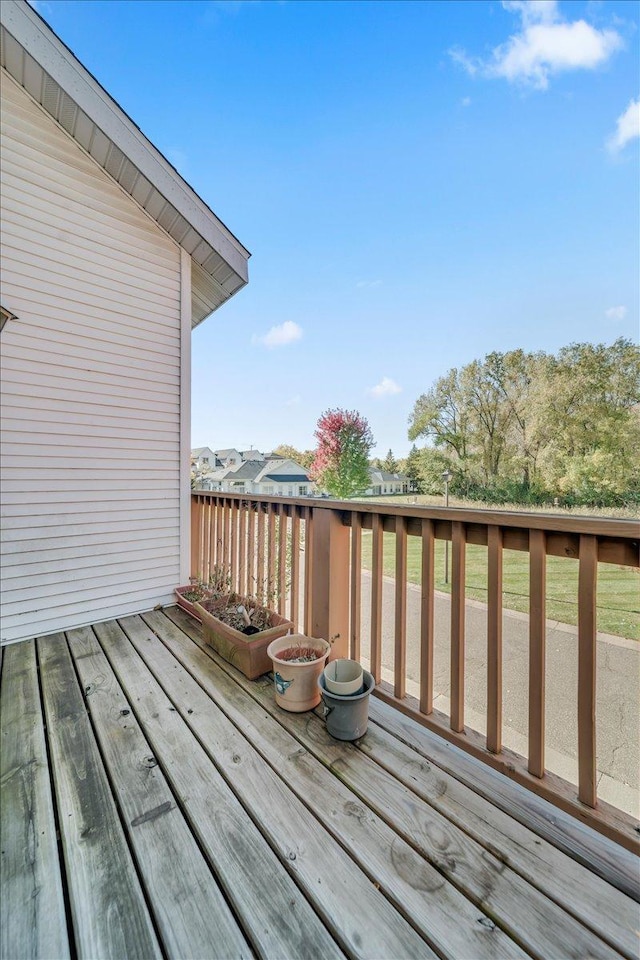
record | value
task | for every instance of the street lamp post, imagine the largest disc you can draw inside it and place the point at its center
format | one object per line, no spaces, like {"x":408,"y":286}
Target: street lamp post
{"x":446,"y":476}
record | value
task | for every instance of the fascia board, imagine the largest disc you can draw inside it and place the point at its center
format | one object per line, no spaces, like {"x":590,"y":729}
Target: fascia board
{"x":59,"y":62}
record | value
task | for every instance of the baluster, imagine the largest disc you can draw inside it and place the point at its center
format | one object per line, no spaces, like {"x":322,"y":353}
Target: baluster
{"x":400,"y":653}
{"x":283,"y":524}
{"x":494,"y":639}
{"x":295,"y":567}
{"x":376,"y":596}
{"x":426,"y":618}
{"x":587,"y":625}
{"x":242,"y":545}
{"x":537,"y":640}
{"x":356,"y":583}
{"x":457,"y":624}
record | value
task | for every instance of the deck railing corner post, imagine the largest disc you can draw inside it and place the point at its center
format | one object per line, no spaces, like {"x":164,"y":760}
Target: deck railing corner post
{"x":330,"y":581}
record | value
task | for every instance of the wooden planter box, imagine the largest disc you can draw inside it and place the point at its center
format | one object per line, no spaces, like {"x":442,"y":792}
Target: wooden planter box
{"x":247,"y":653}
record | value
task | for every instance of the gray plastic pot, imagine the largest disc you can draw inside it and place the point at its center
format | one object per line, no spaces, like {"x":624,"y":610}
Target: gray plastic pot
{"x":347,"y":717}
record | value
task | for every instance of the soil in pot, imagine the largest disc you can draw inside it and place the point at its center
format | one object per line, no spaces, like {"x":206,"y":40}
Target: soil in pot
{"x":241,"y":644}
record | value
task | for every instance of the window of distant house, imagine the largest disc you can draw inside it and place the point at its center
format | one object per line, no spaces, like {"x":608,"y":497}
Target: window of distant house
{"x":268,"y":489}
{"x":205,"y":459}
{"x":302,"y":491}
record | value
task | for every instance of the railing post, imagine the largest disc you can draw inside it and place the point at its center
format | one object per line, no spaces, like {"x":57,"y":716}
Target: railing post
{"x":330,"y":581}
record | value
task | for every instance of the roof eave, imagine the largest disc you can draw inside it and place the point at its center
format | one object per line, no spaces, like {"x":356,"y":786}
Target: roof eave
{"x":41,"y":63}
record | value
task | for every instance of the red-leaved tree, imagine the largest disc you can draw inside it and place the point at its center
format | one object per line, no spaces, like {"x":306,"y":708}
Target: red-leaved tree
{"x":341,"y":463}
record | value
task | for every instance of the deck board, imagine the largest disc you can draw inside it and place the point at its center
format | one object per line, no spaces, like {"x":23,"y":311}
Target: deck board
{"x":199,"y":820}
{"x":32,"y":911}
{"x":191,"y":912}
{"x":531,"y":918}
{"x":109,"y":911}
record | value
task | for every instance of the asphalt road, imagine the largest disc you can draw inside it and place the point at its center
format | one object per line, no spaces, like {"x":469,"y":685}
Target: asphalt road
{"x":617,"y":687}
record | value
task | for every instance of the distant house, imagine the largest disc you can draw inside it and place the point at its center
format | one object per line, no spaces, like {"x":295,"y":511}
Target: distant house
{"x":203,"y":458}
{"x":108,"y":260}
{"x":228,"y":457}
{"x":273,"y":477}
{"x":383,"y":482}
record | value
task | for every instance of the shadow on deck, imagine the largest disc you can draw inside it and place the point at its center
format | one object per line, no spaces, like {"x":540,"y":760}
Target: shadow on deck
{"x":155,"y":803}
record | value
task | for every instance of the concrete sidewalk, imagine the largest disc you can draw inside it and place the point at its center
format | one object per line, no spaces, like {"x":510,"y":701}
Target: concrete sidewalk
{"x":618,"y":686}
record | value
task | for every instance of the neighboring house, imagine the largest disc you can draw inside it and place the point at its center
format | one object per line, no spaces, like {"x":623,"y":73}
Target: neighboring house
{"x":278,"y":477}
{"x":202,"y":458}
{"x":284,"y":478}
{"x":229,"y":458}
{"x":383,"y":482}
{"x":108,"y":260}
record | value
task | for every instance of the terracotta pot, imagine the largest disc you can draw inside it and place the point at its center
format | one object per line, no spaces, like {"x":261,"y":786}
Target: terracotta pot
{"x":247,"y":653}
{"x":187,"y":605}
{"x":296,"y":684}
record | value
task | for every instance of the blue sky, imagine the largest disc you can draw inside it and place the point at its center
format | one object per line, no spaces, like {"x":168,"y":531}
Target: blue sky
{"x":419,"y":183}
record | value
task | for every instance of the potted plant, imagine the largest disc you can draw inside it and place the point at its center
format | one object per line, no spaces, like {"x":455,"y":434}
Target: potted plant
{"x":240,"y":629}
{"x":298,"y":661}
{"x":197,"y":590}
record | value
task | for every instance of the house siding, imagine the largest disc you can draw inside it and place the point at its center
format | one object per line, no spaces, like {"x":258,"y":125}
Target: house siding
{"x":90,"y":388}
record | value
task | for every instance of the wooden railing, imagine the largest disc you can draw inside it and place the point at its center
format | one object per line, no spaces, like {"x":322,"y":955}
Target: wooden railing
{"x":306,"y":557}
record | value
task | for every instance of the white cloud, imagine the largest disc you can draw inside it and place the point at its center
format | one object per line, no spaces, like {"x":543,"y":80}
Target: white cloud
{"x":287,"y":332}
{"x":544,"y":45}
{"x":616,"y":313}
{"x":465,"y":102}
{"x":627,"y":127}
{"x":386,"y":388}
{"x":367,"y":284}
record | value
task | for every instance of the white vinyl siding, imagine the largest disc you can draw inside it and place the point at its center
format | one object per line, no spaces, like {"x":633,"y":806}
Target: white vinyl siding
{"x":91,"y":388}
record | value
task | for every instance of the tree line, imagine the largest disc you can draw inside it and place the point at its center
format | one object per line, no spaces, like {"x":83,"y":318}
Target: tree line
{"x":515,"y":427}
{"x":532,"y":427}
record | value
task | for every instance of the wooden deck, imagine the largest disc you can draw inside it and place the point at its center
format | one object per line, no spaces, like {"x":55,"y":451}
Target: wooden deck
{"x":155,"y":803}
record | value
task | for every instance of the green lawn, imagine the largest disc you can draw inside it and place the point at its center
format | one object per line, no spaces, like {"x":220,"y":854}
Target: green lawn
{"x":618,"y":587}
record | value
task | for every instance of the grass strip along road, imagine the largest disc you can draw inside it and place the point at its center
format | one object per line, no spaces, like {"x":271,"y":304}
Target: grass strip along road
{"x":618,"y":597}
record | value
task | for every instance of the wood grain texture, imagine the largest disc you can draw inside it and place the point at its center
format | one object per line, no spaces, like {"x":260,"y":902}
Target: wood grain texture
{"x":355,"y":598}
{"x":294,"y":591}
{"x":494,"y":640}
{"x":377,"y":542}
{"x":436,"y":908}
{"x":537,"y":648}
{"x":427,"y":604}
{"x":603,"y":858}
{"x":258,"y":887}
{"x":32,"y":911}
{"x":110,"y":916}
{"x":457,"y":625}
{"x":400,"y":643}
{"x":324,"y":871}
{"x":587,"y":626}
{"x":571,"y":885}
{"x":538,"y":924}
{"x":283,"y":538}
{"x":308,"y":570}
{"x":191,"y":914}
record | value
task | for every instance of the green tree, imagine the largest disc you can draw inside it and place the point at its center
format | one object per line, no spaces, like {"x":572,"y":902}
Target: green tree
{"x":528,"y":426}
{"x":341,"y":463}
{"x":303,"y":457}
{"x":390,"y":463}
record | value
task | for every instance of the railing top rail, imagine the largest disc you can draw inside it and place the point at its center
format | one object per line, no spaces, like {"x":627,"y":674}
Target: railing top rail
{"x":615,"y":527}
